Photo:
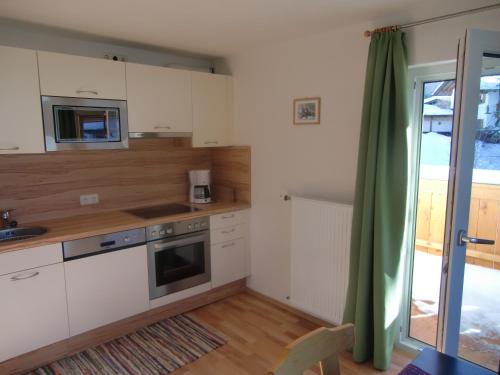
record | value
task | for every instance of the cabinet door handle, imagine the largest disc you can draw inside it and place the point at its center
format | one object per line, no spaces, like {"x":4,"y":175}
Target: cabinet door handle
{"x":227,"y":216}
{"x":228,"y":231}
{"x":162,"y":127}
{"x":87,"y":91}
{"x":9,"y":148}
{"x":25,"y":276}
{"x":228,"y":245}
{"x":211,"y":142}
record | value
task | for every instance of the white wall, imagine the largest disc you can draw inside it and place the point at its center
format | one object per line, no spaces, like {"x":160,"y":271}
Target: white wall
{"x":317,"y":161}
{"x":24,"y":35}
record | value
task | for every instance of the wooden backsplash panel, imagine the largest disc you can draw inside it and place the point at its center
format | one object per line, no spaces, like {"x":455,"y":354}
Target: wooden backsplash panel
{"x":151,"y":171}
{"x":231,"y":172}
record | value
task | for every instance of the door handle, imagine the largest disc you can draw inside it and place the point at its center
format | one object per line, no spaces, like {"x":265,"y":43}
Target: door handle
{"x":87,"y":91}
{"x":24,"y":276}
{"x":13,"y":148}
{"x":463,"y":239}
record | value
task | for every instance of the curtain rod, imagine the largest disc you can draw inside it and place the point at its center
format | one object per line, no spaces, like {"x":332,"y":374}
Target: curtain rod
{"x":368,"y":33}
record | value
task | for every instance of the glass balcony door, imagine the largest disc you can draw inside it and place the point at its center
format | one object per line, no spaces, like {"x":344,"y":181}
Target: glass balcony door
{"x":453,"y":292}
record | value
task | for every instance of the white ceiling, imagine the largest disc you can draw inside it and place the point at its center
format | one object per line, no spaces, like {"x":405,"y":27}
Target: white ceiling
{"x":219,"y":27}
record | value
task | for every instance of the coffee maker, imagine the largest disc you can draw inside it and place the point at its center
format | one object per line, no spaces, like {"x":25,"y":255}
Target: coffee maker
{"x":200,"y":191}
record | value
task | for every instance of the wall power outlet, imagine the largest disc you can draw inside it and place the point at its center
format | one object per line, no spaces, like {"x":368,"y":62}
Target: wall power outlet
{"x":89,"y":199}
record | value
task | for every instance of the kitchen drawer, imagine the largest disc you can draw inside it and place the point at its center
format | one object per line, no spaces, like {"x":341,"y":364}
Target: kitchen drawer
{"x":19,"y":260}
{"x":228,"y":219}
{"x":228,"y":233}
{"x":178,"y":296}
{"x":229,"y":262}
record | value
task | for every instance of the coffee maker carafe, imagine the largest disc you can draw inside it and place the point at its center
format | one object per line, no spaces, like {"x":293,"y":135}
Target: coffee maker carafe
{"x":200,"y":191}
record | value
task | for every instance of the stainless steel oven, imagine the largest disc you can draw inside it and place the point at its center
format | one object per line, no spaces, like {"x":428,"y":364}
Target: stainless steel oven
{"x":80,"y":123}
{"x":178,"y":256}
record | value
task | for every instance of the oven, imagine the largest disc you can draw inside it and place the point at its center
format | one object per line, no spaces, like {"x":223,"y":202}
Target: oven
{"x":178,"y":256}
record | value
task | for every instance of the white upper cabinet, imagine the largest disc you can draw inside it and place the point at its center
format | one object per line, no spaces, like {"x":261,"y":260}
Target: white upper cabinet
{"x":77,"y":76}
{"x":158,"y":99}
{"x":21,"y":129}
{"x":212,"y":109}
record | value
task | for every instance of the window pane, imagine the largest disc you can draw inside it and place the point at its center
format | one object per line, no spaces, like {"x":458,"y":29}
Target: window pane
{"x":435,"y":148}
{"x":85,"y":124}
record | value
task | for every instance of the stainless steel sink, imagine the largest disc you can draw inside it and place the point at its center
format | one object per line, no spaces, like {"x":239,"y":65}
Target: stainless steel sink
{"x":14,"y":234}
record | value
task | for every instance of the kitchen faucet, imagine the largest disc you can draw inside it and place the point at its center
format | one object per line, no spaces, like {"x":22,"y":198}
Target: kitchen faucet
{"x":6,"y":221}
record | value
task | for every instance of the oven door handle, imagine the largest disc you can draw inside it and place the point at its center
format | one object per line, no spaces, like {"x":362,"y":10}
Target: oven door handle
{"x":165,"y":245}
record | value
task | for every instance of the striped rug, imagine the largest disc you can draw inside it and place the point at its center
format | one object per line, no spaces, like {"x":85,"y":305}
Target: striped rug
{"x":157,"y":349}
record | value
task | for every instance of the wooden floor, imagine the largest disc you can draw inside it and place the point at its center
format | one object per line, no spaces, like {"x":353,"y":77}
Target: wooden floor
{"x":256,"y":332}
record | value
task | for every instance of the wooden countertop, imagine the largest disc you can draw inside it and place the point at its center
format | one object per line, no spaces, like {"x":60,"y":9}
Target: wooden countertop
{"x":72,"y":228}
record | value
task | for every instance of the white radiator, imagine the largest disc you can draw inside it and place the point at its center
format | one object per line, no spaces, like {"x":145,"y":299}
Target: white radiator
{"x":321,"y":234}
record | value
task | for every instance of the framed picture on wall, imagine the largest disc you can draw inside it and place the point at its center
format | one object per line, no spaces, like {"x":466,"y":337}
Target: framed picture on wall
{"x":306,"y":111}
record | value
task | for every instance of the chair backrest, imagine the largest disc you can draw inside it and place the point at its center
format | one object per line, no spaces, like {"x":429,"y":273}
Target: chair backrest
{"x":322,"y":345}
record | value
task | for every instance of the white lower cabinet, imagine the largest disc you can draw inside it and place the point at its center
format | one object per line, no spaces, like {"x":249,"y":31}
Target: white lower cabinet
{"x":104,"y":288}
{"x":50,"y":300}
{"x":33,"y":310}
{"x":229,"y":262}
{"x":229,"y":250}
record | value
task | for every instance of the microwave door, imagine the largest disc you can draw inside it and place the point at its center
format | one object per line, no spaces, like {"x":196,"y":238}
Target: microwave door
{"x":77,"y":123}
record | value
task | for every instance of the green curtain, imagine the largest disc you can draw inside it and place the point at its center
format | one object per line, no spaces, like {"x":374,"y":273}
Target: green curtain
{"x":376,"y":263}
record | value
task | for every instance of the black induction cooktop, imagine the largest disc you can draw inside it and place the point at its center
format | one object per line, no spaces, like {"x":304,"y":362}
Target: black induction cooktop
{"x":152,"y":212}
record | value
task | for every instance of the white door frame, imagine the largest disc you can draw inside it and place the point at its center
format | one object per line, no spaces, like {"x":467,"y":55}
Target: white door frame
{"x":471,"y":50}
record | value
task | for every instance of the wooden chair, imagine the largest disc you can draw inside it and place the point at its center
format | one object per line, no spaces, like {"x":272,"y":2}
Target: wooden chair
{"x":322,"y":345}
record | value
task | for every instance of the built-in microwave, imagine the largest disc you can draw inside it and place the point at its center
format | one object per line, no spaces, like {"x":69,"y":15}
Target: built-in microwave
{"x":84,"y":124}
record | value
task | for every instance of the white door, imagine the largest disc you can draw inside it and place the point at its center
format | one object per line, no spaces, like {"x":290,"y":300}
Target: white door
{"x":105,"y":288}
{"x":21,"y":128}
{"x":471,"y":307}
{"x":78,"y":76}
{"x":455,"y":268}
{"x":33,"y":312}
{"x":212,"y":110}
{"x":158,"y":99}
